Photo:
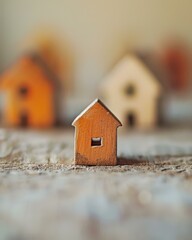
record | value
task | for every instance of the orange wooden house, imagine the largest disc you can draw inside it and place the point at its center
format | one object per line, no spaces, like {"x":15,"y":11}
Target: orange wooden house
{"x":96,"y":136}
{"x":28,"y":91}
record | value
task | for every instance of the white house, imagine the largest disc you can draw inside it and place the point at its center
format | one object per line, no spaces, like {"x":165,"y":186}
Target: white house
{"x":132,"y":92}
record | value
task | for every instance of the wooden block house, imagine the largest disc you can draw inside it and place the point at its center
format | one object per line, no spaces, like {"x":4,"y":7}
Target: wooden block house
{"x":132,"y":92}
{"x":28,"y":89}
{"x":96,"y":136}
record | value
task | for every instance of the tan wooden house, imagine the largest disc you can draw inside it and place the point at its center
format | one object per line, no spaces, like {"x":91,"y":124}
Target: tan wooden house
{"x":132,"y":92}
{"x":96,"y":136}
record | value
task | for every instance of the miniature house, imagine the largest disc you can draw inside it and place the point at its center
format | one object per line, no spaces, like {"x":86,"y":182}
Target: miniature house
{"x":96,"y":136}
{"x":132,"y":92}
{"x":28,"y":89}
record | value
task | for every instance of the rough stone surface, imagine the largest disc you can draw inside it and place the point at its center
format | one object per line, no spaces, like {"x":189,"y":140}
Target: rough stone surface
{"x":44,"y":196}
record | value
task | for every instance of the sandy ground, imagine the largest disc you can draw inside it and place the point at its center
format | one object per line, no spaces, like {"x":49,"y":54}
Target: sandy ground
{"x":43,"y":195}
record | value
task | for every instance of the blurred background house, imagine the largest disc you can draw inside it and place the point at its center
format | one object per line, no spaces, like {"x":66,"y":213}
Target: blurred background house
{"x":133,"y":92}
{"x":30,"y":93}
{"x":81,"y":41}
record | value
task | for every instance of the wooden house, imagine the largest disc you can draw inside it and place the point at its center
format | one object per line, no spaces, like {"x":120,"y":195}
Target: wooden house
{"x":28,"y":90}
{"x":96,"y":136}
{"x":132,"y":92}
{"x":175,"y":58}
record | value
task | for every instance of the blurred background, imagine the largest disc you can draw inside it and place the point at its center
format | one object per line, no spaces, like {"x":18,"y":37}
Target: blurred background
{"x":81,"y":41}
{"x":55,"y":56}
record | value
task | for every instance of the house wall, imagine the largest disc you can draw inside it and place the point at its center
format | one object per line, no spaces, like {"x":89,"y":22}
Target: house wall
{"x":102,"y":155}
{"x":37,"y":104}
{"x":145,"y":111}
{"x":39,"y":109}
{"x":98,"y":33}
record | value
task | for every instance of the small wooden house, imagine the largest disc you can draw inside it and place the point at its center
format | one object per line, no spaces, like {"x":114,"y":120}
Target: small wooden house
{"x":28,"y":90}
{"x":132,"y":92}
{"x":96,"y":136}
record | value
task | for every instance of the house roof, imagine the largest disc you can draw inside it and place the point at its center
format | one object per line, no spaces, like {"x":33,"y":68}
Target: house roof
{"x":35,"y":58}
{"x":122,"y":68}
{"x":90,"y":106}
{"x":155,"y":66}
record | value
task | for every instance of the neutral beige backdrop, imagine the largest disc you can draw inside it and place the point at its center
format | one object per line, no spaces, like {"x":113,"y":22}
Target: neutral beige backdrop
{"x":98,"y":32}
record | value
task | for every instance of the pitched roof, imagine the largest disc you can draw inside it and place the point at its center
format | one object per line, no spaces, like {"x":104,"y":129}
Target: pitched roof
{"x":49,"y":74}
{"x":153,"y":64}
{"x":90,"y":106}
{"x":36,"y":59}
{"x":128,"y":65}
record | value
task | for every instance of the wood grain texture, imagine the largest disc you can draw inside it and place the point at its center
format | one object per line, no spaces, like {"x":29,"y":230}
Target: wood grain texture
{"x":96,"y":122}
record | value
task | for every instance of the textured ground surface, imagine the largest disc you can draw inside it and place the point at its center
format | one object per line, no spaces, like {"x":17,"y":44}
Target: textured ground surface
{"x":44,"y":196}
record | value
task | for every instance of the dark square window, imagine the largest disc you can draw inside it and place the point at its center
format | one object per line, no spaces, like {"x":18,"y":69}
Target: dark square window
{"x":96,"y":142}
{"x":23,"y":91}
{"x":130,"y":90}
